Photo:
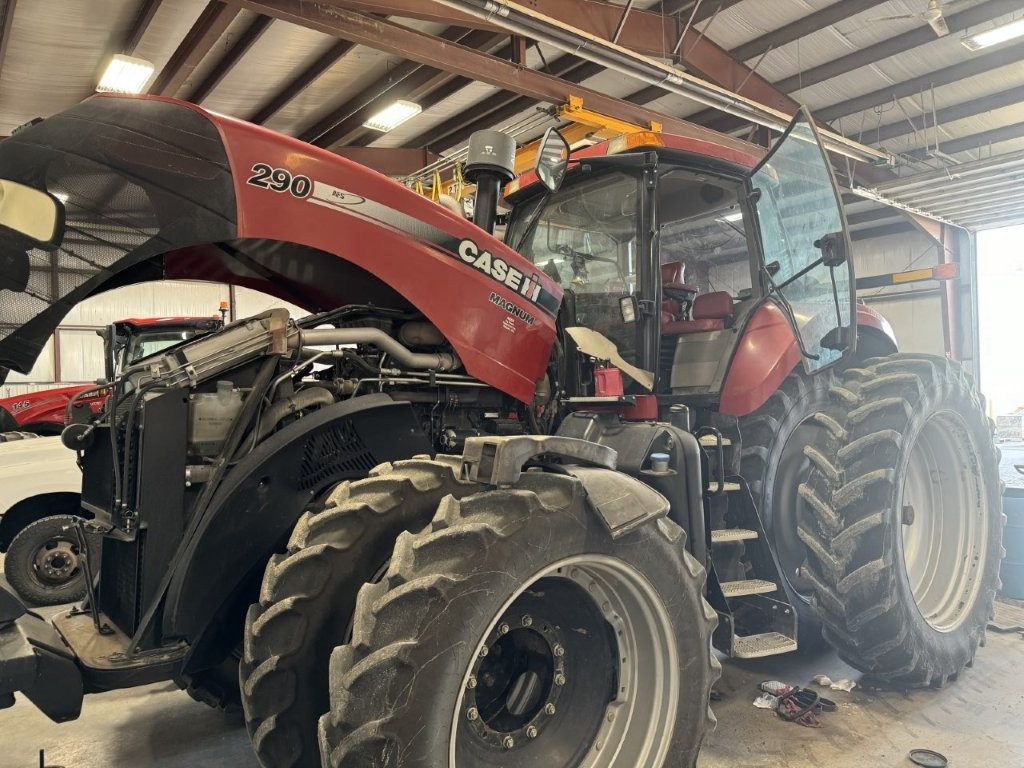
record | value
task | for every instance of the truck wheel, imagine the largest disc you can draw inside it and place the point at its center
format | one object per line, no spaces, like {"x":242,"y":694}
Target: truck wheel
{"x":515,"y":632}
{"x":904,"y":526}
{"x":309,"y":594}
{"x":44,"y":563}
{"x":11,"y":437}
{"x":773,"y":464}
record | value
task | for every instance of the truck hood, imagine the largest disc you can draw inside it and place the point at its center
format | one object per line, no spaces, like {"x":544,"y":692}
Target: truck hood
{"x":34,"y":452}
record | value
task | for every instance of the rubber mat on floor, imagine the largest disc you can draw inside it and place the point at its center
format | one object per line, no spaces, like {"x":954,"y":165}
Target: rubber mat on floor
{"x":1009,"y":616}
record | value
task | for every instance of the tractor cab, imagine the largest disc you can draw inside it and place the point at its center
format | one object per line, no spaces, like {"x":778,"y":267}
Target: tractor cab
{"x":676,"y":249}
{"x":126,"y":342}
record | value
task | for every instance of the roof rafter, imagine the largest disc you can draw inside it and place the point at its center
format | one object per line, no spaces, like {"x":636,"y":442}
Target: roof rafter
{"x":6,"y":22}
{"x":208,"y":28}
{"x":143,"y":18}
{"x":301,"y":81}
{"x":827,"y":16}
{"x":239,"y":47}
{"x":974,"y":141}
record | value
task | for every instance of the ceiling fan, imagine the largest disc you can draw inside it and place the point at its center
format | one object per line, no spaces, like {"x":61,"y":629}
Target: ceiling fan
{"x":935,"y":15}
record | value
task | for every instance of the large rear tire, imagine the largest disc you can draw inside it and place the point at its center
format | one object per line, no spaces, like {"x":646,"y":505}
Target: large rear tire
{"x":515,"y":632}
{"x":45,"y":564}
{"x":309,"y":594}
{"x":773,"y":464}
{"x":904,"y":525}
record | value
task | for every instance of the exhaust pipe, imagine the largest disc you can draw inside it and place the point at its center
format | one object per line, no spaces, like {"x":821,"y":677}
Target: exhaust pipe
{"x":438,"y":361}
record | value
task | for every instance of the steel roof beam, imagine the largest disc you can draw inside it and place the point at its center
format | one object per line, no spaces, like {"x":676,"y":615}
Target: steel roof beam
{"x":410,"y":44}
{"x":211,"y":24}
{"x":6,"y":22}
{"x":827,"y":16}
{"x":143,"y":18}
{"x":239,"y":47}
{"x":974,"y":141}
{"x":426,"y":86}
{"x":974,"y":201}
{"x":952,"y":175}
{"x":976,"y":65}
{"x":937,"y":195}
{"x":301,"y":81}
{"x":1009,"y":97}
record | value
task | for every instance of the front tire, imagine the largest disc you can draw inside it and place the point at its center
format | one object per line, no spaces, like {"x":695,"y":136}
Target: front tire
{"x":309,"y":593}
{"x":515,"y":632}
{"x":904,"y":525}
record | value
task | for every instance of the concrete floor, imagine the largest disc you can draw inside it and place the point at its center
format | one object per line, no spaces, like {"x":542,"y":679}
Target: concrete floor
{"x":978,"y":721}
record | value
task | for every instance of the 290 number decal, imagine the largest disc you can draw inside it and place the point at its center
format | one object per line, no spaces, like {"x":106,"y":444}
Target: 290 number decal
{"x":280,"y":180}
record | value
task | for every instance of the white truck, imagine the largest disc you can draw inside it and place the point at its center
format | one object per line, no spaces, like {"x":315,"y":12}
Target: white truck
{"x":40,"y":490}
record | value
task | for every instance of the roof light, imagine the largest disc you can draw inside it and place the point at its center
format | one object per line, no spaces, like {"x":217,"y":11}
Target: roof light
{"x":393,"y":116}
{"x":634,"y":140}
{"x":126,"y":74}
{"x":994,"y":36}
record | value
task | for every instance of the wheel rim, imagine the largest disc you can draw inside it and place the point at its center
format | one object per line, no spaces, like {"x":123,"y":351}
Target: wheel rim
{"x":944,"y":526}
{"x":535,"y":687}
{"x":787,"y":505}
{"x":56,"y":562}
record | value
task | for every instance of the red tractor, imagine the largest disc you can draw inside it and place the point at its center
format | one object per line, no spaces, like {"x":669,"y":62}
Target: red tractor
{"x":627,"y":467}
{"x":124,"y":342}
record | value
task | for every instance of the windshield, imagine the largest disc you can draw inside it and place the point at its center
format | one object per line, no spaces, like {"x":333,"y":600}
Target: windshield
{"x":150,"y":343}
{"x":585,"y":237}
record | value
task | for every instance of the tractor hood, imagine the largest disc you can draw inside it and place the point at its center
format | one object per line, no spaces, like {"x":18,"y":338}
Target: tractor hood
{"x":155,"y":188}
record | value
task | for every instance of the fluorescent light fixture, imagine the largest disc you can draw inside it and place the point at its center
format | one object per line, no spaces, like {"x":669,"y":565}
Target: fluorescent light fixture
{"x":733,"y":216}
{"x":994,"y":36}
{"x":62,"y":196}
{"x":125,"y":74}
{"x":393,"y":116}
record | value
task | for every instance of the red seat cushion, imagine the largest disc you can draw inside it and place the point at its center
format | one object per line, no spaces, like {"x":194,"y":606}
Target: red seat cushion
{"x":712,"y":306}
{"x":679,"y":327}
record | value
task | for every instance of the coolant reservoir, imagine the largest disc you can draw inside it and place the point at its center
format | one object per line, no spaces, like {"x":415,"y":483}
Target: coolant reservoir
{"x":212,"y":415}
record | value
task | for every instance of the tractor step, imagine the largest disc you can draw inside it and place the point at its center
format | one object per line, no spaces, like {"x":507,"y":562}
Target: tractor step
{"x":747,"y":587}
{"x":757,"y":646}
{"x":711,"y":441}
{"x":730,"y":535}
{"x":714,"y":486}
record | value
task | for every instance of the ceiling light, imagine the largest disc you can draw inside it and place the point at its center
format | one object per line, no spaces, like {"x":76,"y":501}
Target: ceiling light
{"x":733,"y":216}
{"x":125,"y":74}
{"x":393,"y":116}
{"x":994,"y":36}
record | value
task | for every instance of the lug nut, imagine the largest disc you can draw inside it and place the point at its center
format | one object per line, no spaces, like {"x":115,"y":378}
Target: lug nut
{"x":503,"y":629}
{"x":471,"y":683}
{"x":559,"y":651}
{"x":483,"y":651}
{"x":549,"y":709}
{"x":508,"y":742}
{"x":559,"y":679}
{"x":472,"y":713}
{"x":531,"y":732}
{"x":908,"y":514}
{"x":527,"y":620}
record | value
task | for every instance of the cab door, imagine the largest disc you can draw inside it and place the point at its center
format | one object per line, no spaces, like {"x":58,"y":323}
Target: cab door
{"x":805,"y":245}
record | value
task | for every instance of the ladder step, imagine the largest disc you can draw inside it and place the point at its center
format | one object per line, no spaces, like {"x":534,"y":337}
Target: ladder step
{"x":757,"y":646}
{"x":710,"y":441}
{"x":713,"y":486}
{"x":728,"y":535}
{"x":747,"y":587}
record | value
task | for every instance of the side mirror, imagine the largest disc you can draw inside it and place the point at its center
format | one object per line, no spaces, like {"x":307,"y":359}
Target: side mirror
{"x":552,"y":159}
{"x":30,"y":214}
{"x":833,"y":249}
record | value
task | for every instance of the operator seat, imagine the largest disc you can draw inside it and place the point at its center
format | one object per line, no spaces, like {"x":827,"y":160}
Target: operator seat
{"x":711,"y":312}
{"x":676,"y":296}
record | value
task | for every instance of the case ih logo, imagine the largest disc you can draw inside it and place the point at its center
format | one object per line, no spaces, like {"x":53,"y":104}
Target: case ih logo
{"x":499,"y":270}
{"x":21,"y":405}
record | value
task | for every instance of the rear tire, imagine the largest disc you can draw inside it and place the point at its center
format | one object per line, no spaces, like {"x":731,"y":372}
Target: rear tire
{"x":773,"y":464}
{"x":904,"y":525}
{"x":501,"y":634}
{"x":44,"y":563}
{"x":309,"y":594}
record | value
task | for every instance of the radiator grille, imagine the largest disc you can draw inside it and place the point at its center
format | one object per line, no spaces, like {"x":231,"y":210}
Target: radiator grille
{"x":336,"y":450}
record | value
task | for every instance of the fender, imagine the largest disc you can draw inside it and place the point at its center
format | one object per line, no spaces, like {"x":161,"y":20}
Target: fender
{"x":258,"y":504}
{"x":43,"y":411}
{"x":768,"y":352}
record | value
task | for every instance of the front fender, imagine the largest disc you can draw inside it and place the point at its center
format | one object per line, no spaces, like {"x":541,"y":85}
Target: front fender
{"x":258,"y":504}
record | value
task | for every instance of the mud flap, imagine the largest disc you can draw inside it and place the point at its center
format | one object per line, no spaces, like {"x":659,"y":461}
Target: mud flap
{"x":35,"y":661}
